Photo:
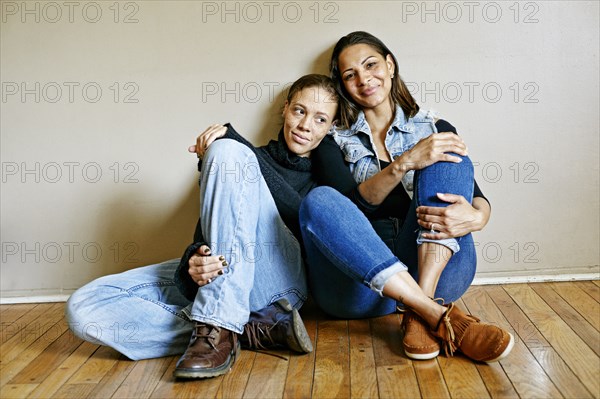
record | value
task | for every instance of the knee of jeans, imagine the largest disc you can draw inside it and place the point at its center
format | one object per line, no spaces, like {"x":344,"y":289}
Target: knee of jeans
{"x":77,"y":306}
{"x":82,"y":306}
{"x":227,"y":149}
{"x":466,"y":165}
{"x":76,"y":312}
{"x":318,"y":199}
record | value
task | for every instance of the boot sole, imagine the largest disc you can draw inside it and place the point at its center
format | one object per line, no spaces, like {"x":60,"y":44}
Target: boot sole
{"x":506,"y":351}
{"x":208,"y":373}
{"x":302,"y":342}
{"x":422,"y":356}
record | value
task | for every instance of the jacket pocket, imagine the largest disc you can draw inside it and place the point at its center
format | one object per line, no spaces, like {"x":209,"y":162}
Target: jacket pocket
{"x":353,"y":152}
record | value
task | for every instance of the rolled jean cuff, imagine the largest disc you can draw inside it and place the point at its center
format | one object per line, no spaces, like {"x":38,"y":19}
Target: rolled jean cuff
{"x":449,"y":243}
{"x":380,"y":279}
{"x":236,"y":328}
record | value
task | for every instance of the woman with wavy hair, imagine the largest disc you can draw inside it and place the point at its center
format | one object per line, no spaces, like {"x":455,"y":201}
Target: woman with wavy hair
{"x":394,"y":226}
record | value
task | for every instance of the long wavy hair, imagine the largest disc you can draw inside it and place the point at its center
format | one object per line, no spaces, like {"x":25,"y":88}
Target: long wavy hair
{"x":348,"y":109}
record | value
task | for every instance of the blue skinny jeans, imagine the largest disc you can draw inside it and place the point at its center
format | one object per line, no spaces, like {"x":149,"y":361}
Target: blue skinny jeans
{"x":349,"y":258}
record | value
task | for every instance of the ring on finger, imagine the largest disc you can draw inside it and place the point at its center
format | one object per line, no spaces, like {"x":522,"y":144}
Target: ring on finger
{"x":432,"y":228}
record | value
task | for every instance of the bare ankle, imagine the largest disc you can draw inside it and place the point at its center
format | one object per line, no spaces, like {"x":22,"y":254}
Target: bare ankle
{"x":434,"y":315}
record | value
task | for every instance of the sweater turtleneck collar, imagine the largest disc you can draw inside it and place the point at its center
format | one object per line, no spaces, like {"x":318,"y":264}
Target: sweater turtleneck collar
{"x":280,"y":152}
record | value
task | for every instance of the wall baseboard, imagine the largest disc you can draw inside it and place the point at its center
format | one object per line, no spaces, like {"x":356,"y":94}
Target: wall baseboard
{"x":33,"y":299}
{"x":535,"y":278}
{"x":476,"y":281}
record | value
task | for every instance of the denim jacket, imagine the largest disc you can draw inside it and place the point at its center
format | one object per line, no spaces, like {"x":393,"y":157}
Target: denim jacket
{"x":359,"y":151}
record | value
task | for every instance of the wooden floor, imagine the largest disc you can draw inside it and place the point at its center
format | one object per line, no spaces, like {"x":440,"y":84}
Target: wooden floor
{"x":556,"y":354}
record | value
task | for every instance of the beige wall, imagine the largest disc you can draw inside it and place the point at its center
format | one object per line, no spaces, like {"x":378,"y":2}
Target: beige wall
{"x":101,"y":99}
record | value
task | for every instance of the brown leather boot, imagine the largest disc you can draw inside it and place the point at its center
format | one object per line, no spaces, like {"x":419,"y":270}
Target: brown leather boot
{"x":277,"y":326}
{"x":478,"y":341}
{"x":211,"y":352}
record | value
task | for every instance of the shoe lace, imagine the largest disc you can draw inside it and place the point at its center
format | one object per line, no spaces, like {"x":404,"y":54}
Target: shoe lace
{"x":455,"y":328}
{"x":449,"y":343}
{"x":257,"y":333}
{"x":207,"y":332}
{"x":439,"y":301}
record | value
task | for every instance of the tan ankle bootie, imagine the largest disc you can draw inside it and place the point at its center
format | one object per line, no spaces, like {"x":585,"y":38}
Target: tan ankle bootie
{"x":478,"y":341}
{"x":418,"y":342}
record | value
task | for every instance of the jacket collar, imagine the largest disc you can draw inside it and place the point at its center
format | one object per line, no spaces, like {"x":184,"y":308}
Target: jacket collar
{"x":400,"y":123}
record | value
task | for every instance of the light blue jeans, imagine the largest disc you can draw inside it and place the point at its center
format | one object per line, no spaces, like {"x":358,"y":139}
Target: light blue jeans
{"x":142,"y":314}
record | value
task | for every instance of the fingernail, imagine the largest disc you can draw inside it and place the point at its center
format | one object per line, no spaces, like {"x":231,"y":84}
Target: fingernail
{"x":221,"y":258}
{"x":225,"y":263}
{"x":220,"y":272}
{"x":206,"y":250}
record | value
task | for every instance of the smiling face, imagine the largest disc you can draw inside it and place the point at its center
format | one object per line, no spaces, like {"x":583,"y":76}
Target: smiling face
{"x":307,"y":119}
{"x":366,"y":75}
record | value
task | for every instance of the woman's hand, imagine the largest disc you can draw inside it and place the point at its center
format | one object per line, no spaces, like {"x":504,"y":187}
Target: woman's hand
{"x":204,"y":268}
{"x":455,"y":220}
{"x":433,"y":149}
{"x":206,"y":138}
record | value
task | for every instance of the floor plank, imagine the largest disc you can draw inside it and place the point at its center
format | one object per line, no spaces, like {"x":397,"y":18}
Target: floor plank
{"x":332,"y":372}
{"x":556,"y":354}
{"x":113,"y":379}
{"x":589,"y":288}
{"x":431,"y":380}
{"x":143,"y":378}
{"x":169,"y":387}
{"x":11,"y":313}
{"x":28,"y":324}
{"x":235,"y":382}
{"x":573,"y":318}
{"x":496,"y":381}
{"x":74,"y":391}
{"x":396,"y":376}
{"x":299,"y":380}
{"x":16,"y":391}
{"x":60,"y":375}
{"x":461,"y":375}
{"x":363,"y":374}
{"x":49,"y":360}
{"x":587,"y":306}
{"x":562,"y":376}
{"x":576,"y":354}
{"x":22,"y":354}
{"x":525,"y":373}
{"x":267,"y":378}
{"x":97,"y":366}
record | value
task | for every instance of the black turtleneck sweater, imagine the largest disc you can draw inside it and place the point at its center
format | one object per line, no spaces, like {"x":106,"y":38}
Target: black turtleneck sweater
{"x":289,"y":179}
